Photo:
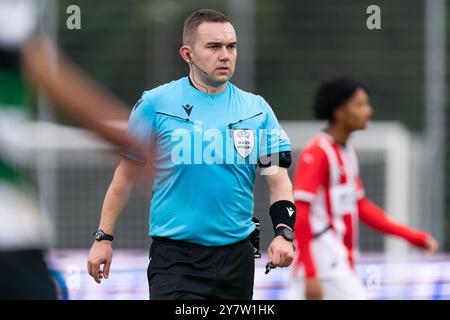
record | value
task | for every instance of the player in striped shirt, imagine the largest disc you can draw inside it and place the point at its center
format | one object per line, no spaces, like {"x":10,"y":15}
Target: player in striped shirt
{"x":330,"y":199}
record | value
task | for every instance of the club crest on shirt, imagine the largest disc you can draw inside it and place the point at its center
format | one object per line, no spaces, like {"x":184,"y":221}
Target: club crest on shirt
{"x":244,"y":141}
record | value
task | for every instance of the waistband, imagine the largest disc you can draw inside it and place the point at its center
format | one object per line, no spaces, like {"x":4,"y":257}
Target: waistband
{"x":191,"y":244}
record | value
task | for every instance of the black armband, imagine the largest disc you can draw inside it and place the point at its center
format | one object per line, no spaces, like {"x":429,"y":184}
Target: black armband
{"x":283,"y":211}
{"x":282,"y":159}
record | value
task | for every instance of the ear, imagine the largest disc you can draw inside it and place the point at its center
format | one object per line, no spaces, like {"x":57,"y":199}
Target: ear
{"x":185,"y":53}
{"x":339,"y":113}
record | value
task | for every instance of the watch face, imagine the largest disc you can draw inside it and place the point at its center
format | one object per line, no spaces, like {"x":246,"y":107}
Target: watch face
{"x":98,"y":235}
{"x":288,"y":234}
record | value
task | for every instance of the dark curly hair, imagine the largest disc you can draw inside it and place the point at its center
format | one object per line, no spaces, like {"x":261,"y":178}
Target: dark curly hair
{"x":333,"y":93}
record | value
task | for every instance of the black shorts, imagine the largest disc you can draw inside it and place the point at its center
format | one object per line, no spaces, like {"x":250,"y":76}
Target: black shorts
{"x":185,"y":271}
{"x":24,"y":275}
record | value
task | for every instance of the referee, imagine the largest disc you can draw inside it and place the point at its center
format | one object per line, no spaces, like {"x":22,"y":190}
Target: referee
{"x":207,"y":138}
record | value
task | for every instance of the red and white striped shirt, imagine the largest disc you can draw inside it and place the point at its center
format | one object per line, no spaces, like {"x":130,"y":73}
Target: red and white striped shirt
{"x":330,"y":199}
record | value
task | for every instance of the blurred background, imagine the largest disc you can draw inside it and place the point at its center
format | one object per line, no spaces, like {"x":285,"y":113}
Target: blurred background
{"x":285,"y":49}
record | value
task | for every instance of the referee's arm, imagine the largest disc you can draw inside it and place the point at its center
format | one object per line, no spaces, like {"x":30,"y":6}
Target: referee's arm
{"x":125,"y":177}
{"x":280,"y":251}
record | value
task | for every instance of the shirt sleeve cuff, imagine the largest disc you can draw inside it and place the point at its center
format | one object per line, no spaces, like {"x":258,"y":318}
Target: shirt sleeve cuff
{"x":130,"y":155}
{"x":301,"y":195}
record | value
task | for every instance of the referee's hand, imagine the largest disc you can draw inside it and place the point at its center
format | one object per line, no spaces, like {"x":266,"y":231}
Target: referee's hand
{"x":281,"y":252}
{"x":100,"y":254}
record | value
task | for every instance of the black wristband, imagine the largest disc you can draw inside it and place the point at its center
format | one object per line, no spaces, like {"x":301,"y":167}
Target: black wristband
{"x":283,"y":211}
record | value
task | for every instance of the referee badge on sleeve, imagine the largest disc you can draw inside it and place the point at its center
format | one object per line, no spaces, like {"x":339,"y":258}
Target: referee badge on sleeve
{"x":244,"y":141}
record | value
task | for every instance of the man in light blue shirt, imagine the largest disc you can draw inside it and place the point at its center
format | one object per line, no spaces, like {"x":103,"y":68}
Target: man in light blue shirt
{"x":205,"y":139}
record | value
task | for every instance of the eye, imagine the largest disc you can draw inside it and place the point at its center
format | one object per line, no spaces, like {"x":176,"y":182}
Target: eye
{"x":232,"y":46}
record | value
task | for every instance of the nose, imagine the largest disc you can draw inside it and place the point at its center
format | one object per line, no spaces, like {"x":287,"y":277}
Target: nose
{"x":224,"y":54}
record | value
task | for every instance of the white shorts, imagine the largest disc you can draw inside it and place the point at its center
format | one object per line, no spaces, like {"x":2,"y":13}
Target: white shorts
{"x":348,"y":287}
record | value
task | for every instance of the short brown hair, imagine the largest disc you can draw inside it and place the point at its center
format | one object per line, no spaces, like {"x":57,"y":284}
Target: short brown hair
{"x":194,"y":20}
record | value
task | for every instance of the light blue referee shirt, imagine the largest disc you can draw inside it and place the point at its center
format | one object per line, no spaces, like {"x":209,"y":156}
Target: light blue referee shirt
{"x":205,"y":151}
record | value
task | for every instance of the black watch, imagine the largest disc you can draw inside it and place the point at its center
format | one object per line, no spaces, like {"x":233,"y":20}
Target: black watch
{"x":101,"y":235}
{"x":285,"y":232}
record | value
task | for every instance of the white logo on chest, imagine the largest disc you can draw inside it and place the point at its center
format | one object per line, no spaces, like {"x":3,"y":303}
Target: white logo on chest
{"x":244,"y":141}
